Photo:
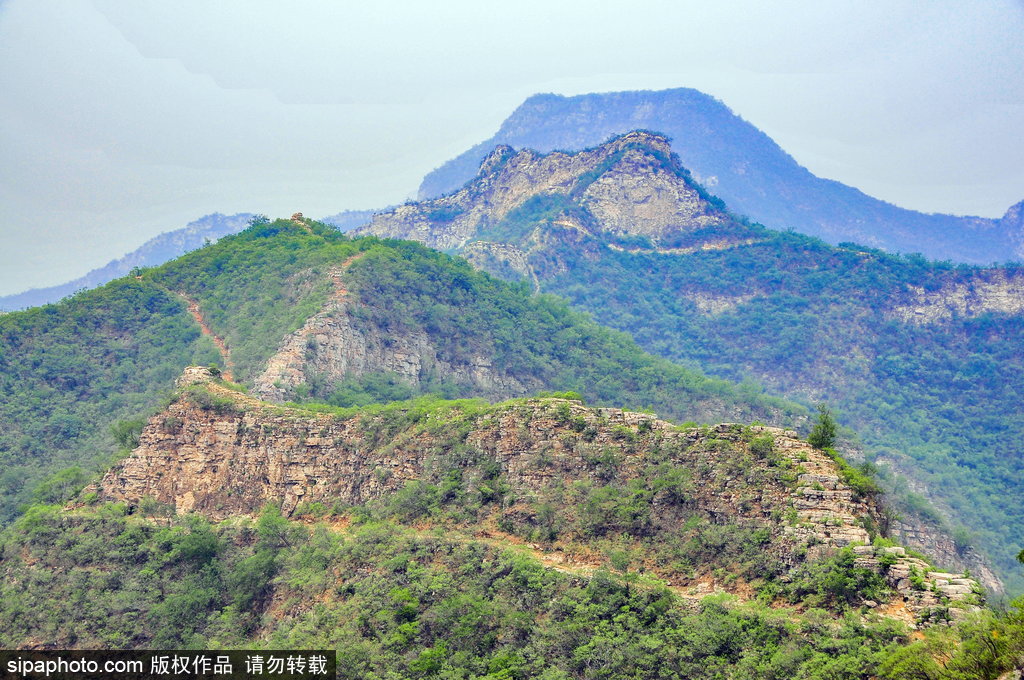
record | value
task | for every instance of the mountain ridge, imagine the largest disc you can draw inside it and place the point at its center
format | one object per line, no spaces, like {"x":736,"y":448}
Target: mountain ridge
{"x":160,"y":249}
{"x":220,"y":453}
{"x":70,"y":371}
{"x":155,"y":251}
{"x":746,"y":168}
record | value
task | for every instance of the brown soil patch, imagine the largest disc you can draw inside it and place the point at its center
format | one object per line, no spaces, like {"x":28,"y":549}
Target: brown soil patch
{"x":222,"y":347}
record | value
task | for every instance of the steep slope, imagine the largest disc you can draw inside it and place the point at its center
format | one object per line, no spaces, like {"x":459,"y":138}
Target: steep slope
{"x":924,"y":360}
{"x":155,"y":251}
{"x":743,"y":166}
{"x":628,"y":187}
{"x":300,"y":310}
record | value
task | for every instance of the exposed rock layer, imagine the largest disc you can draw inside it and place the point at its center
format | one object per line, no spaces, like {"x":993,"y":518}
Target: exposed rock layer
{"x":334,"y":345}
{"x":631,"y":185}
{"x":995,"y":290}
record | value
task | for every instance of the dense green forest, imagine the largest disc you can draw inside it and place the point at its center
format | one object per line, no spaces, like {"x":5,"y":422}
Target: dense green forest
{"x":814,"y":322}
{"x":70,"y":371}
{"x":404,"y":287}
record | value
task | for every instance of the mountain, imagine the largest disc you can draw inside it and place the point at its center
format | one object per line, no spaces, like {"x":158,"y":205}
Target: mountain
{"x":298,"y":310}
{"x":161,"y":249}
{"x":347,"y":220}
{"x":542,"y":535}
{"x":155,"y":251}
{"x":745,"y":168}
{"x":922,"y":359}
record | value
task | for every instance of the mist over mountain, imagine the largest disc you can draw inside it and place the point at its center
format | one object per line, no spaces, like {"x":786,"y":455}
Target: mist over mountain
{"x":742,"y":165}
{"x":347,"y":220}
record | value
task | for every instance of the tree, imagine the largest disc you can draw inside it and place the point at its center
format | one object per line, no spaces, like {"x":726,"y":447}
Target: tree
{"x":126,"y":432}
{"x":823,"y":434}
{"x":1020,"y":557}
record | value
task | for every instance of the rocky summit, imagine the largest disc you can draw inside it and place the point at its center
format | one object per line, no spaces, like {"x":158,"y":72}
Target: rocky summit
{"x":745,"y":167}
{"x":630,"y":186}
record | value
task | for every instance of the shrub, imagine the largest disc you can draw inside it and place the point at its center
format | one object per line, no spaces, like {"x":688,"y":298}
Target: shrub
{"x":823,"y":435}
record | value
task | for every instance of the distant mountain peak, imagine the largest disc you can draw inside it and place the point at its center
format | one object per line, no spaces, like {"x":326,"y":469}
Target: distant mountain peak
{"x":1012,"y":223}
{"x":155,"y":251}
{"x":748,"y":170}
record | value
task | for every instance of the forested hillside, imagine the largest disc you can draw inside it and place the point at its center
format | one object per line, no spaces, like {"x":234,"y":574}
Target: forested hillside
{"x":72,"y":370}
{"x":535,"y":538}
{"x":924,"y":359}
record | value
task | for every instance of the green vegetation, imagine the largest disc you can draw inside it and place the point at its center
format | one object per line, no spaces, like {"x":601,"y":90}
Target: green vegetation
{"x":399,"y":602}
{"x":836,"y":583}
{"x":75,"y":376}
{"x":70,"y":371}
{"x":815,"y":322}
{"x":257,"y":286}
{"x":984,"y":646}
{"x":407,"y":288}
{"x":823,"y":434}
{"x":655,"y":507}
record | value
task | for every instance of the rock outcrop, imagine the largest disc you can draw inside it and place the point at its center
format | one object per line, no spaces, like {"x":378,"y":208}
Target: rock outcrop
{"x":964,"y":296}
{"x":334,"y":345}
{"x":745,"y":168}
{"x":630,"y":186}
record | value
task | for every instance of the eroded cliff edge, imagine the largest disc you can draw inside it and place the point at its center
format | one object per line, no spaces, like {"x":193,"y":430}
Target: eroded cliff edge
{"x":221,"y":453}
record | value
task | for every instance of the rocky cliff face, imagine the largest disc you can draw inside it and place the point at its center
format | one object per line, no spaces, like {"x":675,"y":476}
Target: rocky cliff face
{"x":220,"y":453}
{"x":936,"y":542}
{"x":334,"y":345}
{"x":966,"y":296}
{"x":630,"y":186}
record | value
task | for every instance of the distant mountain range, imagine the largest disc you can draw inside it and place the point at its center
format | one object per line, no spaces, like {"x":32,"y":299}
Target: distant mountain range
{"x":160,"y":249}
{"x":350,"y":219}
{"x":745,"y":167}
{"x":155,"y":251}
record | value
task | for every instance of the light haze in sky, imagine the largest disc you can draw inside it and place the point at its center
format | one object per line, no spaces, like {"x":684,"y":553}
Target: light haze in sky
{"x":121,"y":119}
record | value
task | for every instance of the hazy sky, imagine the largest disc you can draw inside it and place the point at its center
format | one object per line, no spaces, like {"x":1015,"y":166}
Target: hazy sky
{"x":120,"y":119}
